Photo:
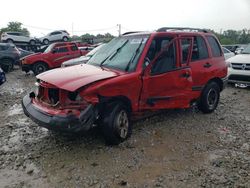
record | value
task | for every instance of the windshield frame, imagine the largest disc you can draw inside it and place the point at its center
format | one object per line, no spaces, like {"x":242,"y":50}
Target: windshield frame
{"x":50,"y":47}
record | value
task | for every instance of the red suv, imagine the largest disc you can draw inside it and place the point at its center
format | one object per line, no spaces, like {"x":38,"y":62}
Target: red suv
{"x":134,"y":73}
{"x":52,"y":57}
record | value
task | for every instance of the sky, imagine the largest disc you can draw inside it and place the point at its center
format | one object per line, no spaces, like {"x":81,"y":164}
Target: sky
{"x":101,"y":16}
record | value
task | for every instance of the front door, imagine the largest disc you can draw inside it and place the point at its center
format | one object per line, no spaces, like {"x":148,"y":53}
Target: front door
{"x":166,"y":83}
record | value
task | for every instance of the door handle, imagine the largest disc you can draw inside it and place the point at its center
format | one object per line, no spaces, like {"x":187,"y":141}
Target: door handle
{"x":185,"y":75}
{"x":207,"y":65}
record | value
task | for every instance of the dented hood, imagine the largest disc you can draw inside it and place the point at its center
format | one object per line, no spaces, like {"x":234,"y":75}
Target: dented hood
{"x":72,"y":78}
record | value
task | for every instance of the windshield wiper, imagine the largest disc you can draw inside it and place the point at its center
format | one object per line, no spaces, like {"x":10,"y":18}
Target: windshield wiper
{"x":112,"y":55}
{"x":134,"y":55}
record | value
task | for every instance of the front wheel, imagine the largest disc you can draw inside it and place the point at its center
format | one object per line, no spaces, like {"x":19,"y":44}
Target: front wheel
{"x":65,"y":39}
{"x":46,"y":41}
{"x":39,"y":68}
{"x":209,"y":98}
{"x":116,"y":125}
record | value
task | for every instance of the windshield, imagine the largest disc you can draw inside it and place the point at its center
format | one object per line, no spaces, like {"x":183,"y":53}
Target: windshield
{"x":50,"y":47}
{"x":246,"y":50}
{"x":121,"y":53}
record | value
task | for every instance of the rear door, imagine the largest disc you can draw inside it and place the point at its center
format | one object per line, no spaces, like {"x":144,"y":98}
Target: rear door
{"x":200,"y":63}
{"x":59,"y":55}
{"x":166,"y":84}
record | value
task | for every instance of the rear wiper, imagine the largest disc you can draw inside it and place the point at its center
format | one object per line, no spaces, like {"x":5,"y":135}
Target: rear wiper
{"x":112,"y":55}
{"x":134,"y":55}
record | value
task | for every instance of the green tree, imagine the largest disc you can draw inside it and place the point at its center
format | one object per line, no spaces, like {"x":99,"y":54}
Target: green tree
{"x":15,"y":26}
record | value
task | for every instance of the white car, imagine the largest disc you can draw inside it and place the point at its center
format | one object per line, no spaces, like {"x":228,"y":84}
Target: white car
{"x":239,"y":68}
{"x":60,"y":35}
{"x":227,"y":53}
{"x":17,"y":37}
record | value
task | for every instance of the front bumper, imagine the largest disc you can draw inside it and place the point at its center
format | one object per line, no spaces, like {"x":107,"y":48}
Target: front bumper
{"x":66,"y":123}
{"x":26,"y":68}
{"x":238,"y":76}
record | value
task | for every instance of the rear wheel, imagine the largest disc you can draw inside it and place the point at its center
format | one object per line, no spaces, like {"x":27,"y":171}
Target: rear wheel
{"x":7,"y":64}
{"x":116,"y":125}
{"x":209,"y":98}
{"x":39,"y":67}
{"x":32,"y":42}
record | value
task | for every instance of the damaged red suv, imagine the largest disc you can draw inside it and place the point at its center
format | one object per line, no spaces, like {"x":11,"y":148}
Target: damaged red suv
{"x":135,"y":73}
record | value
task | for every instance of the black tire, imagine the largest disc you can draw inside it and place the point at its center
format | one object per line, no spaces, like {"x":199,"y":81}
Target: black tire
{"x":116,"y":124}
{"x":210,"y":97}
{"x":39,"y":67}
{"x":7,"y":64}
{"x":46,"y":41}
{"x":32,"y":42}
{"x":10,"y":41}
{"x":65,"y":39}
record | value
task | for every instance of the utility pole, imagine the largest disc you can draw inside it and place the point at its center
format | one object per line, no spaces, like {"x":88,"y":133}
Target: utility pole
{"x":119,"y":29}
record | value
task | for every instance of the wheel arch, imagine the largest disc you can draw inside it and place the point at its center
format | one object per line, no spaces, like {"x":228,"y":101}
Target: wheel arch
{"x":218,"y":81}
{"x":120,"y":98}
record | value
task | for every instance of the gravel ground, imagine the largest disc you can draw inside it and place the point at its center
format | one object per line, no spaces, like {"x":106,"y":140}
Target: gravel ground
{"x":176,"y":148}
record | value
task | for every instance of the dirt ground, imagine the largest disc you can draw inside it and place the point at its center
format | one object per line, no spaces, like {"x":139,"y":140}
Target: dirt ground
{"x":176,"y":148}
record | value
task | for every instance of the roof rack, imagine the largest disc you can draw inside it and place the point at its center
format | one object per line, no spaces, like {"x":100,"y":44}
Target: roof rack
{"x":164,"y":29}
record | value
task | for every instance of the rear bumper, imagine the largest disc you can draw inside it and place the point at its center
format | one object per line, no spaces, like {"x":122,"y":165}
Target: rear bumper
{"x":66,"y":123}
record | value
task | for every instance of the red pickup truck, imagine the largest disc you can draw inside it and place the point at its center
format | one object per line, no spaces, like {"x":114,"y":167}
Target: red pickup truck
{"x":52,"y":57}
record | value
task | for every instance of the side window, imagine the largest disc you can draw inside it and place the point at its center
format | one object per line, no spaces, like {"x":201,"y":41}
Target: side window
{"x":215,"y":47}
{"x":73,"y":48}
{"x":185,"y":48}
{"x":199,"y":51}
{"x":62,"y":49}
{"x":166,"y":61}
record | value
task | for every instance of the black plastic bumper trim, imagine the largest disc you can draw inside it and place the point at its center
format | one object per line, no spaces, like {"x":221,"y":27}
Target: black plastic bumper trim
{"x":67,"y":123}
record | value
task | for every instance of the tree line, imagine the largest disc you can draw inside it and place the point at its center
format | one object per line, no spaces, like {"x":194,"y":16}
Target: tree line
{"x":226,"y":37}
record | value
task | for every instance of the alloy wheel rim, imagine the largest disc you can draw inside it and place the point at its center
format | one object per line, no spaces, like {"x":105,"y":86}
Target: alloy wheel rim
{"x":212,"y":98}
{"x":122,"y":124}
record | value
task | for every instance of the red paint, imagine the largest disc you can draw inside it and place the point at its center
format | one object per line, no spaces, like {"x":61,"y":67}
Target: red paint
{"x":54,"y":59}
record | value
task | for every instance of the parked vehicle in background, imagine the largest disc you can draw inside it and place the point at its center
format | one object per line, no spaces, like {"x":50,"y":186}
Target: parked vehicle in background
{"x":17,"y":37}
{"x":86,"y":49}
{"x":227,"y":53}
{"x":2,"y":77}
{"x":9,"y":56}
{"x":60,"y":35}
{"x":134,"y":73}
{"x":24,"y":53}
{"x":239,"y":67}
{"x":82,"y":59}
{"x":52,"y":57}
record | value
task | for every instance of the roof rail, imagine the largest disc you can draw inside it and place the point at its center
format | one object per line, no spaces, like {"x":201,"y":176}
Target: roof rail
{"x":164,"y":29}
{"x":131,"y":32}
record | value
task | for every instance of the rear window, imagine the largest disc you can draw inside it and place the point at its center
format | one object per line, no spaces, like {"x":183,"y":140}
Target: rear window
{"x":215,"y":47}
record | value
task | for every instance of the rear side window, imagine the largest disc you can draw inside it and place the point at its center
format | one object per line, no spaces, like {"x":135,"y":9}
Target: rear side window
{"x":199,"y":51}
{"x":215,"y":47}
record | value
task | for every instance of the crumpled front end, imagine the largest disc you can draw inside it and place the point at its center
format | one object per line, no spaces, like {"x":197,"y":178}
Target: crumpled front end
{"x":58,"y":109}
